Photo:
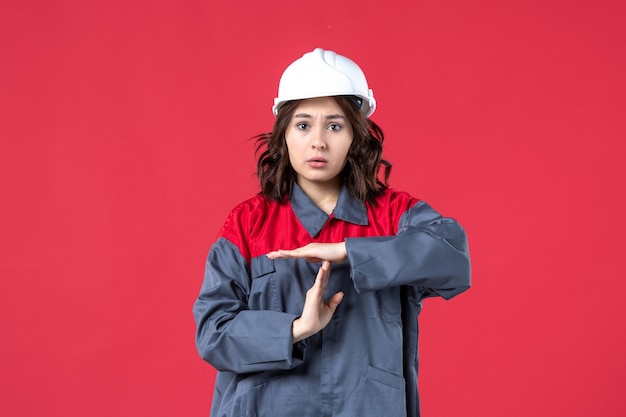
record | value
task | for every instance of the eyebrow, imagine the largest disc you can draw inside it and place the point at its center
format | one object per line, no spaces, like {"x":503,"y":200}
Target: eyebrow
{"x":329,"y":117}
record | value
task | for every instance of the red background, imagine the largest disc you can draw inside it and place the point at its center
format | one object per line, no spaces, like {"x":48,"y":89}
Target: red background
{"x":124,"y":132}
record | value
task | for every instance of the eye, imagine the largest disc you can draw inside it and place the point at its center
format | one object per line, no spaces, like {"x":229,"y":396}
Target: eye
{"x":334,"y":126}
{"x":302,"y":125}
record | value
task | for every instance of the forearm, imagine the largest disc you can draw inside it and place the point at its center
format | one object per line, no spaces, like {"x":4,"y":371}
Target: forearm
{"x":231,"y":336}
{"x":429,"y":251}
{"x":250,"y":341}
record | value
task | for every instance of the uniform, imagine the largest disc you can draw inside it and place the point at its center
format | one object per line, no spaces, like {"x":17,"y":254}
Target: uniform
{"x":364,"y":363}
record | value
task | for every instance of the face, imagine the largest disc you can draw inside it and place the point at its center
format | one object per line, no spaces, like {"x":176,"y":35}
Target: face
{"x":318,"y":139}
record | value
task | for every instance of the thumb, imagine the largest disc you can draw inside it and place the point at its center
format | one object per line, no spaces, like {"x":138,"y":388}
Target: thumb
{"x":335,"y":300}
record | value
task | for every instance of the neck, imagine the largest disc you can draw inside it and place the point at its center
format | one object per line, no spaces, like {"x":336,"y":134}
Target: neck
{"x":324,"y":195}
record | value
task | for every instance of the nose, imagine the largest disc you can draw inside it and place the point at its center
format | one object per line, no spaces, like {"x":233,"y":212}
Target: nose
{"x":318,"y":139}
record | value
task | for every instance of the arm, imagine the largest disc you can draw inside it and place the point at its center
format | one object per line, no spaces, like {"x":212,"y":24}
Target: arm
{"x":230,"y":336}
{"x":428,"y":251}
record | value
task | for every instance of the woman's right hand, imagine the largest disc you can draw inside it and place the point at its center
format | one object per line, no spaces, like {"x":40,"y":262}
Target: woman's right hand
{"x":316,"y":314}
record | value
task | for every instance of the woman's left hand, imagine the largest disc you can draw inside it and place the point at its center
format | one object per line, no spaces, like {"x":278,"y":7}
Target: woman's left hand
{"x":314,"y":252}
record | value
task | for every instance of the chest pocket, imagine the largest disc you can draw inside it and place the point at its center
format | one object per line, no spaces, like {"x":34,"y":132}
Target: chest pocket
{"x":280,"y":285}
{"x":263,"y":291}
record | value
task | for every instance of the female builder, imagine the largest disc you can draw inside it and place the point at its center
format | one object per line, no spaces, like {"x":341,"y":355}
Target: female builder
{"x":311,"y":293}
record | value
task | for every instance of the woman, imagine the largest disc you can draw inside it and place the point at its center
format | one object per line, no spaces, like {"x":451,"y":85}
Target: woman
{"x":312,"y":290}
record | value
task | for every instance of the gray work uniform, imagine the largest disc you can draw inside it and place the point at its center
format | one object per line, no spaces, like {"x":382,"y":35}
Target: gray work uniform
{"x":364,"y":363}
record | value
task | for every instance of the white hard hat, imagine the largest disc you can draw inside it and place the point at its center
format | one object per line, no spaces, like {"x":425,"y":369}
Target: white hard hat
{"x":323,"y":73}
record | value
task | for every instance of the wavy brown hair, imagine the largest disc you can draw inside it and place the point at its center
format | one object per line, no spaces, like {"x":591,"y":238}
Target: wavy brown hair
{"x":364,"y":164}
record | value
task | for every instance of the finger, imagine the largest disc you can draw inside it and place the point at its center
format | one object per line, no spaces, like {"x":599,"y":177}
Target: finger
{"x":319,"y":278}
{"x":277,"y":254}
{"x":334,"y":301}
{"x":323,"y":273}
{"x":292,"y":254}
{"x":326,"y":268}
{"x":284,"y":254}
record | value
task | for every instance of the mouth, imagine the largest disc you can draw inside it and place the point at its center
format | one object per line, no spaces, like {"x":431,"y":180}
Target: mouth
{"x":317,"y":162}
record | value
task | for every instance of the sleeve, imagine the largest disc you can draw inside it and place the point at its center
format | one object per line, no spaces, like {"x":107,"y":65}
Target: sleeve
{"x":428,"y":251}
{"x":232,"y":337}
